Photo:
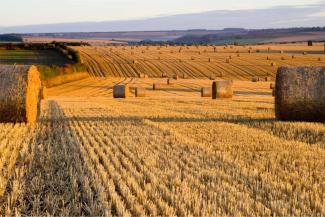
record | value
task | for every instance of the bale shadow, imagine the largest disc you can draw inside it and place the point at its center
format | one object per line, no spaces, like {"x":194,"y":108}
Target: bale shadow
{"x":252,"y":93}
{"x":57,"y":180}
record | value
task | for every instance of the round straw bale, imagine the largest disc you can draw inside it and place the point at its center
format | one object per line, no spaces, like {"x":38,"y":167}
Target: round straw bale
{"x":175,"y":77}
{"x":163,"y":75}
{"x":121,"y":91}
{"x":206,"y":92}
{"x":156,"y":86}
{"x":140,"y":92}
{"x":222,"y":89}
{"x":19,"y":95}
{"x":255,"y":79}
{"x":212,"y":77}
{"x":170,"y":81}
{"x":268,"y":78}
{"x":185,"y":76}
{"x":300,"y":94}
{"x":273,"y":64}
{"x":272,"y":86}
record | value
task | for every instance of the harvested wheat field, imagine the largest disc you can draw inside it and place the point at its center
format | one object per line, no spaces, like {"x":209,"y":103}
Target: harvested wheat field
{"x":227,"y":62}
{"x":169,"y":153}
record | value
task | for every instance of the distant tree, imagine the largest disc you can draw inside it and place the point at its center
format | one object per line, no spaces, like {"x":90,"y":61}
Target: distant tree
{"x":11,"y":38}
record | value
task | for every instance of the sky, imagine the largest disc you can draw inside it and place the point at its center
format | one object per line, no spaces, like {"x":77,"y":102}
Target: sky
{"x":29,"y":12}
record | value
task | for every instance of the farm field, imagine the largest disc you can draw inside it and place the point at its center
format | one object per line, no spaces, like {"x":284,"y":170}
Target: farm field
{"x":230,"y":62}
{"x":32,"y":57}
{"x":170,"y":153}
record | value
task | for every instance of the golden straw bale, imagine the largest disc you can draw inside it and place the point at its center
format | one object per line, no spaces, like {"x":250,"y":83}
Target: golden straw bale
{"x":140,"y":92}
{"x":255,"y":79}
{"x":121,"y":91}
{"x":300,"y":94}
{"x":206,"y":92}
{"x":222,"y":89}
{"x":19,"y":95}
{"x":170,"y":81}
{"x":175,"y":77}
{"x":272,"y":86}
{"x":157,"y":86}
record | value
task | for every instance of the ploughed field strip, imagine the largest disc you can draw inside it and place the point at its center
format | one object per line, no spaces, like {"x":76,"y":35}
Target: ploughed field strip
{"x":230,"y":62}
{"x":170,"y":153}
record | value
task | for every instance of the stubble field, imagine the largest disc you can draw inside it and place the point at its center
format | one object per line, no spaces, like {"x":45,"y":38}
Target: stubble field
{"x":226,"y":62}
{"x":171,"y":153}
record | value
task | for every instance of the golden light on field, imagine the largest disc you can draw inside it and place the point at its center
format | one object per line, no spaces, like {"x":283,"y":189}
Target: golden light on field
{"x":233,"y":62}
{"x":170,"y":153}
{"x":163,"y":146}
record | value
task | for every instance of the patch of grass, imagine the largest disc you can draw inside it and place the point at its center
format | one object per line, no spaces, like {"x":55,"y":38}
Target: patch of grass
{"x":33,"y":57}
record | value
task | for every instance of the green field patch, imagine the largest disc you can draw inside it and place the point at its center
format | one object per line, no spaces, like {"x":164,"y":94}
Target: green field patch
{"x":33,"y":57}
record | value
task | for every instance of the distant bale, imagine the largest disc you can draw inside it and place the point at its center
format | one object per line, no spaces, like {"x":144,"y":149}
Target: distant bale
{"x":20,"y":94}
{"x":121,"y":91}
{"x":142,"y":75}
{"x":300,"y":94}
{"x":222,"y":89}
{"x":185,"y":76}
{"x":163,"y":75}
{"x":272,"y":86}
{"x":170,"y":81}
{"x":304,"y":53}
{"x":206,"y":92}
{"x":175,"y":77}
{"x":157,"y":86}
{"x":255,"y":79}
{"x":310,"y":43}
{"x":273,"y":64}
{"x":140,"y":92}
{"x":268,"y":78}
{"x":212,"y":77}
{"x":281,"y":51}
